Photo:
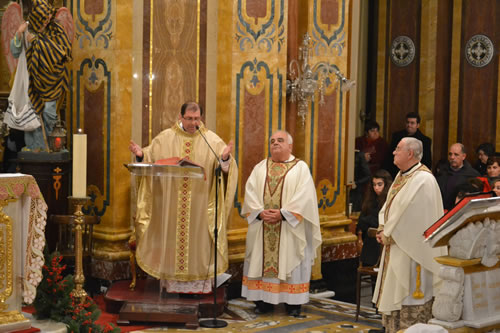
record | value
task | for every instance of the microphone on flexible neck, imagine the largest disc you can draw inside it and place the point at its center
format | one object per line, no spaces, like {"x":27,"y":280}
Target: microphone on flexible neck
{"x":208,"y":144}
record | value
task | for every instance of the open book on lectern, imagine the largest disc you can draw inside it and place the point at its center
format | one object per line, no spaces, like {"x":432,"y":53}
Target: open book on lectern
{"x":470,"y":209}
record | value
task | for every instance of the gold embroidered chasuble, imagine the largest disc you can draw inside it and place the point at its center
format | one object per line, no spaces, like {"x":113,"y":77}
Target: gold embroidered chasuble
{"x":175,"y":213}
{"x":413,"y":204}
{"x":276,"y":173}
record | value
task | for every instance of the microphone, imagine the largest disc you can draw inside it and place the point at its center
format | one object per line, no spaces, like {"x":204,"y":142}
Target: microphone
{"x":208,"y":144}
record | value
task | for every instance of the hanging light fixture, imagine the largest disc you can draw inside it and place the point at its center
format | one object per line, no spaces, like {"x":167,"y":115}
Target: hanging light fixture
{"x":305,"y":80}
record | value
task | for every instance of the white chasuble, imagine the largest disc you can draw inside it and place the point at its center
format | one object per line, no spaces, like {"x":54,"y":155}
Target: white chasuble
{"x":279,"y":256}
{"x":408,"y":273}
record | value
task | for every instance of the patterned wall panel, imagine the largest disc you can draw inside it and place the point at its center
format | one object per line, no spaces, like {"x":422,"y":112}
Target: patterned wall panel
{"x":92,"y":97}
{"x":326,"y":124}
{"x":174,"y":60}
{"x":4,"y":69}
{"x":259,"y":61}
{"x":93,"y":114}
{"x":93,"y":23}
{"x":101,"y":76}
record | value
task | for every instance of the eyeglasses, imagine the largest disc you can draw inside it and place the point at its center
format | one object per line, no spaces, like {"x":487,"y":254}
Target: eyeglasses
{"x":192,"y":119}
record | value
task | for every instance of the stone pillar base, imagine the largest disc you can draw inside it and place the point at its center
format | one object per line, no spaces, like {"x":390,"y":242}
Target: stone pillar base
{"x":13,"y":321}
{"x":110,"y":270}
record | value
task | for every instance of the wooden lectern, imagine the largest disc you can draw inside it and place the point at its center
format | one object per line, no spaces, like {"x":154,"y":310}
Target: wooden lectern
{"x":469,"y":297}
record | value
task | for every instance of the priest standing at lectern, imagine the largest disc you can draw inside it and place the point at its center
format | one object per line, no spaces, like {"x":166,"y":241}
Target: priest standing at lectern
{"x":179,"y":249}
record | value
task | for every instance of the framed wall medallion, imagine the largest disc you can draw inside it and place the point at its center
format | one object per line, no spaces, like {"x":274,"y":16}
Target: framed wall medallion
{"x":479,"y":50}
{"x":402,"y":51}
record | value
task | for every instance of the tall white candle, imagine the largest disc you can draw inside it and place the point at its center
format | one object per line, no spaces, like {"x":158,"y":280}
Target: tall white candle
{"x":79,"y":165}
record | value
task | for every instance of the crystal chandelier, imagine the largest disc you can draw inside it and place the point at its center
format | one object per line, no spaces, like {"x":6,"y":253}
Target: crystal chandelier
{"x":305,"y":80}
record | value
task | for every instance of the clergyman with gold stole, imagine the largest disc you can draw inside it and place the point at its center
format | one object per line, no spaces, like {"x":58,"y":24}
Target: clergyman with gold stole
{"x":283,"y":230}
{"x":176,"y":244}
{"x":408,"y":275}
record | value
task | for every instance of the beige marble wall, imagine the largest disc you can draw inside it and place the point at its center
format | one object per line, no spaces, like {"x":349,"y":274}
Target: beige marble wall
{"x":456,"y":47}
{"x":427,"y":84}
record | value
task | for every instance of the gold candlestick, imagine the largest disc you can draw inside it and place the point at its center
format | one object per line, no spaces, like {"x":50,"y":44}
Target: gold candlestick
{"x":79,"y":292}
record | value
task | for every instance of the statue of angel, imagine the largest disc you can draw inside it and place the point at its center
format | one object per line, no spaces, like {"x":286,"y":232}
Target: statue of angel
{"x":46,"y":38}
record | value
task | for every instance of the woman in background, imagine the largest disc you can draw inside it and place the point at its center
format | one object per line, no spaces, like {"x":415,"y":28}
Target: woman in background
{"x":492,"y":171}
{"x":483,"y":151}
{"x":374,"y":199}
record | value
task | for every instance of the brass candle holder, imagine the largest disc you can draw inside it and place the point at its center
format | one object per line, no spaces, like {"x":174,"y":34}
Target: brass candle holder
{"x":78,"y":292}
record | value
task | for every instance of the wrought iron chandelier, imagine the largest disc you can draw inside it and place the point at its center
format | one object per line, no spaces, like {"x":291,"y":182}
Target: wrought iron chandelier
{"x":304,"y":79}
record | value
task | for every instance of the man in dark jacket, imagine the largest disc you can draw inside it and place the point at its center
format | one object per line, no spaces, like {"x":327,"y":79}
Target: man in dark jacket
{"x":411,"y":130}
{"x":456,"y":172}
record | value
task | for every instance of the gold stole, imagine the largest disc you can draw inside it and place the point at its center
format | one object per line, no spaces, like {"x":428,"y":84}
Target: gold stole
{"x":183,"y":216}
{"x":398,"y":184}
{"x":273,"y":189}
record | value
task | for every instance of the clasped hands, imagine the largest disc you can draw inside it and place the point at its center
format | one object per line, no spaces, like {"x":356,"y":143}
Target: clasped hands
{"x":382,"y":239}
{"x":270,"y":215}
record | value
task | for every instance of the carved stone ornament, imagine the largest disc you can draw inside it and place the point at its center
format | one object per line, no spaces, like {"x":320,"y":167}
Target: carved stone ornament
{"x":479,"y":50}
{"x":402,"y":51}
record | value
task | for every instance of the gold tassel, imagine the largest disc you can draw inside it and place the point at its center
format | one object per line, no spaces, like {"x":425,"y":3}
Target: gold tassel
{"x":418,"y":294}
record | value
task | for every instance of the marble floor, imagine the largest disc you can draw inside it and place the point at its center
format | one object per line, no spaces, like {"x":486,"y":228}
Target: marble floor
{"x":319,"y":315}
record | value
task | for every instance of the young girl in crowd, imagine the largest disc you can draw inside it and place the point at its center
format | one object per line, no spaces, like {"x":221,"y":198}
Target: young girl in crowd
{"x":374,"y":199}
{"x":495,"y":186}
{"x":492,"y":171}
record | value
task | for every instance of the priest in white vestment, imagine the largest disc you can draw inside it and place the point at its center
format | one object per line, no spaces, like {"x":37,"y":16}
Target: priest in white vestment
{"x":283,"y":230}
{"x":408,"y":275}
{"x":175,"y":240}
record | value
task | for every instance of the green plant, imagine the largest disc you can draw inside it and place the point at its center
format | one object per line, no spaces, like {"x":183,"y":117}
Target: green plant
{"x":54,"y":301}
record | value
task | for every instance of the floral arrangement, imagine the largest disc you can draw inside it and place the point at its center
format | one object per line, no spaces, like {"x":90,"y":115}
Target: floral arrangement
{"x":54,"y":301}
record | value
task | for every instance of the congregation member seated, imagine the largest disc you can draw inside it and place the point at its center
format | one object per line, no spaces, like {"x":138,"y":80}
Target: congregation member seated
{"x":465,"y":189}
{"x":495,"y":186}
{"x":456,"y":171}
{"x":361,"y":179}
{"x":483,"y":151}
{"x":411,"y":130}
{"x":372,"y":145}
{"x":373,"y":200}
{"x":492,"y":171}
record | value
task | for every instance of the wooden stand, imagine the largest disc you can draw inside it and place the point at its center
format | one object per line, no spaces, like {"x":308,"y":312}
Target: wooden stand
{"x":52,"y":177}
{"x":162,"y":313}
{"x":146,"y":304}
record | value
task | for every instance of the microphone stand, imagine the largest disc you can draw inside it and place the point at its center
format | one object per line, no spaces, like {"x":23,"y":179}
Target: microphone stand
{"x":214,"y":323}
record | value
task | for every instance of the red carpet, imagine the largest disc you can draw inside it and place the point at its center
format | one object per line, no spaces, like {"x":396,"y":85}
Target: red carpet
{"x":103,"y":319}
{"x":29,"y":330}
